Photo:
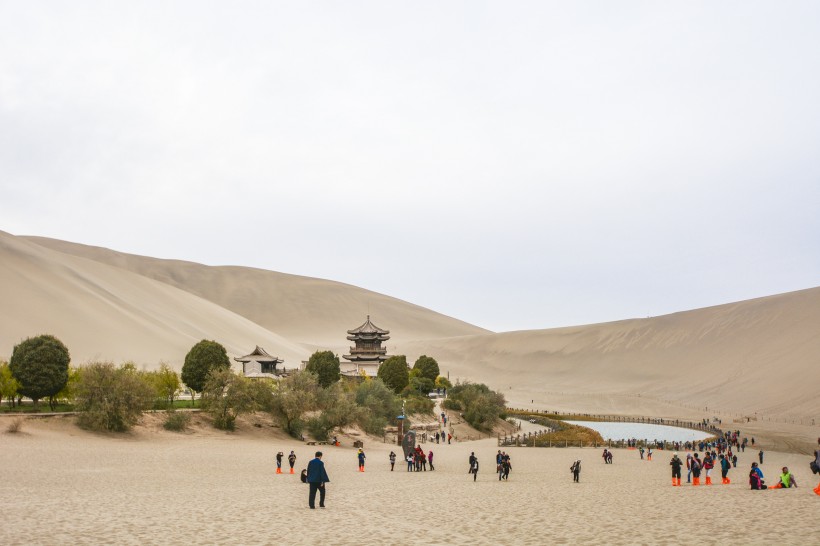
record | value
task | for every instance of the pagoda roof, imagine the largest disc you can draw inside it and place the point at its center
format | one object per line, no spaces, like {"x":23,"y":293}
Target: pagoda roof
{"x":259,"y":355}
{"x":368,"y":328}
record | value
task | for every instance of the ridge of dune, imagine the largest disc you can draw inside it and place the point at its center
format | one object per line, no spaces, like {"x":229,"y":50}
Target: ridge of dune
{"x":755,"y":356}
{"x":103,"y":312}
{"x":302,"y":309}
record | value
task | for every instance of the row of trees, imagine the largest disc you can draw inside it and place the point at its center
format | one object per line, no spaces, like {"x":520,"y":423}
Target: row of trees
{"x":112,"y":397}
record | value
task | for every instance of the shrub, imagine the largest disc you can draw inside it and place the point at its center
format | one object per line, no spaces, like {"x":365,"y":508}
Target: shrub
{"x":177,"y":421}
{"x":481,"y":406}
{"x":109,"y":398}
{"x":452,"y":404}
{"x":227,"y":395}
{"x":8,"y":385}
{"x":419,"y":405}
{"x":15,"y":426}
{"x":379,"y":405}
{"x":294,"y":396}
{"x":427,"y":367}
{"x":319,"y":428}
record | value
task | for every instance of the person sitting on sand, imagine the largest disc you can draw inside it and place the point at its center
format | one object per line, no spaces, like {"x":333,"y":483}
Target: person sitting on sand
{"x":756,"y":478}
{"x":786,"y":480}
{"x":576,"y":470}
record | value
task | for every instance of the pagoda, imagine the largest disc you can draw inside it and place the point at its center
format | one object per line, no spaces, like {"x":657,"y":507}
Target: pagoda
{"x":260,"y":364}
{"x":368,"y":352}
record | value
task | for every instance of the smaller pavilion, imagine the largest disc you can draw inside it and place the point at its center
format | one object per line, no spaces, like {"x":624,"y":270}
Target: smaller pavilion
{"x":260,"y":364}
{"x":368,"y":353}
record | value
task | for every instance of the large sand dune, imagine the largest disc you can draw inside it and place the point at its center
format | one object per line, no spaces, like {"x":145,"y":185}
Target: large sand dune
{"x":742,"y":359}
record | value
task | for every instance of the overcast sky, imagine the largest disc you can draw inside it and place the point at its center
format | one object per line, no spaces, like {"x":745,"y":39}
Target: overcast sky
{"x":517,"y":165}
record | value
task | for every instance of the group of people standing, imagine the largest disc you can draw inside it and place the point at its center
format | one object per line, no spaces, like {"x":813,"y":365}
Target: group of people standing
{"x":503,"y":465}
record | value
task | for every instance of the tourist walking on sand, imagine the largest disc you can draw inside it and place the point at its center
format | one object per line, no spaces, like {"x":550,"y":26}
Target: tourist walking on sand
{"x":474,"y":466}
{"x":708,"y":465}
{"x":816,"y":468}
{"x":291,"y":460}
{"x":430,"y":460}
{"x":724,"y":469}
{"x":676,"y":464}
{"x":361,"y":457}
{"x":649,"y":454}
{"x":734,"y":460}
{"x":317,"y":478}
{"x":688,"y":468}
{"x":506,"y":465}
{"x":695,"y":466}
{"x":472,"y":459}
{"x":760,"y":456}
{"x":279,"y":462}
{"x":576,"y":470}
{"x":392,"y":460}
{"x":410,"y":463}
{"x":641,"y":452}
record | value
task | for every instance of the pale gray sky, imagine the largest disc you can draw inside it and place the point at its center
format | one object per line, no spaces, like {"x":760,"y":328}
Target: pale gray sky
{"x":516,"y":165}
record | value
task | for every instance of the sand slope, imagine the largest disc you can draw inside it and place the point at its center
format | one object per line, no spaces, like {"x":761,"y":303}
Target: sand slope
{"x":304,"y":309}
{"x":754,"y":356}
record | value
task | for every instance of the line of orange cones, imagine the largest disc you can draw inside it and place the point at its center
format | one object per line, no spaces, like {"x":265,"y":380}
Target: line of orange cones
{"x":696,"y":481}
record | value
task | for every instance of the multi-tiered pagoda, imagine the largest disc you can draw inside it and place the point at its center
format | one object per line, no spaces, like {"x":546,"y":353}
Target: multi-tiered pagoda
{"x":368,"y":352}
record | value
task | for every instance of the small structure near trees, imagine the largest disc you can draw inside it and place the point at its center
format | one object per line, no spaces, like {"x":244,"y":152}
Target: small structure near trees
{"x":368,"y":353}
{"x":260,"y":364}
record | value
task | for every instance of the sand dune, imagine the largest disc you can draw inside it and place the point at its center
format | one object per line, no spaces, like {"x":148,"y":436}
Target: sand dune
{"x":752,"y":358}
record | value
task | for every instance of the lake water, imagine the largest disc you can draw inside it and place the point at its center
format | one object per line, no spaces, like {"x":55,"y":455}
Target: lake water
{"x":642,"y":431}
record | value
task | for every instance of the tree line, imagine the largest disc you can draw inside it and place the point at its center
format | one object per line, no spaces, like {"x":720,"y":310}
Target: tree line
{"x":112,"y":398}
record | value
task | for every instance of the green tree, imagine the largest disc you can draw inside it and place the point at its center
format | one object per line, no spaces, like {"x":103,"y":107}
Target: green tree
{"x":66,"y":394}
{"x":294,"y":396}
{"x":325,"y":365}
{"x":443,"y":383}
{"x":481,"y":405}
{"x":109,"y":398}
{"x":394,"y":373}
{"x":379,"y":405}
{"x":8,"y":385}
{"x":200,"y":360}
{"x":40,"y":365}
{"x":227,"y":395}
{"x":166,"y":383}
{"x":427,"y":367}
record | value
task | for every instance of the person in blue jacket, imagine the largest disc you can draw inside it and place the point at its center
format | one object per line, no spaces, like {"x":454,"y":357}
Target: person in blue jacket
{"x":317,"y":478}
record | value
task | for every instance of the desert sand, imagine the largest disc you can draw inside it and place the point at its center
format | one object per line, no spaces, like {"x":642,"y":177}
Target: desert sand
{"x":63,"y":485}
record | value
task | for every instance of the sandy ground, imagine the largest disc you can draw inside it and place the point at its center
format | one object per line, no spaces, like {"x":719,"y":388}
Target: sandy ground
{"x":63,"y":485}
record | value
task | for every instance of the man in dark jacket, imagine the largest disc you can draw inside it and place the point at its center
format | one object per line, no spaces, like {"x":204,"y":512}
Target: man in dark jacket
{"x":317,"y":478}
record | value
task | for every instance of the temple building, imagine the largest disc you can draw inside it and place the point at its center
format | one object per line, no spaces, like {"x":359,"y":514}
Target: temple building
{"x":260,"y":364}
{"x":368,"y":353}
